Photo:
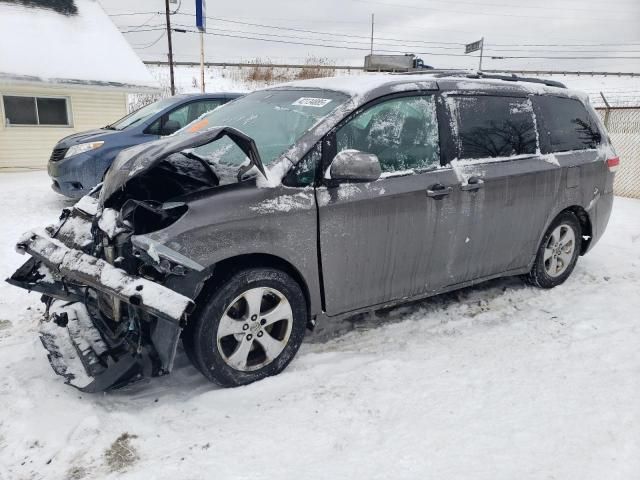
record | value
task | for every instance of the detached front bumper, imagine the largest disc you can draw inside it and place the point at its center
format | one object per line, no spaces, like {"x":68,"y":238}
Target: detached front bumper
{"x":77,"y":352}
{"x":91,"y":352}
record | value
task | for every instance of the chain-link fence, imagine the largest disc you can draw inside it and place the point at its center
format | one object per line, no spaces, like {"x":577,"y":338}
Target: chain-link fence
{"x":623,"y":124}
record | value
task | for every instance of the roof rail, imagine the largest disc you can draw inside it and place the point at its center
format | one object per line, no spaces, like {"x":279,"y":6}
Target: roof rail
{"x":478,"y":74}
{"x":434,"y":72}
{"x":515,"y":78}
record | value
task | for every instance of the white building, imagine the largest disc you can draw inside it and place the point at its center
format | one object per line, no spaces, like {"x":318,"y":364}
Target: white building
{"x":63,"y":69}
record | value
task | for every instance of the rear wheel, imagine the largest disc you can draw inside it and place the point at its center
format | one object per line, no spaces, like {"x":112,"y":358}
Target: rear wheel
{"x":558,"y":252}
{"x":250,"y":328}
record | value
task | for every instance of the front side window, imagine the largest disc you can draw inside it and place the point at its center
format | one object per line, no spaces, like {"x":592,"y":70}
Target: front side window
{"x":142,"y":114}
{"x":568,"y":124}
{"x":304,"y":173}
{"x":491,"y":126}
{"x":402,"y":133}
{"x":50,"y":111}
{"x":180,"y":117}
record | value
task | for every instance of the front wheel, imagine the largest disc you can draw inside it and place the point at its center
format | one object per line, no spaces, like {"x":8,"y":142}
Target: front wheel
{"x":250,"y":328}
{"x":558,"y":252}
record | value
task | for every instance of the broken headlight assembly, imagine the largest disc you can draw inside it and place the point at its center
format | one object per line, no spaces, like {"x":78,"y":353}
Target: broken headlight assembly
{"x":145,"y":216}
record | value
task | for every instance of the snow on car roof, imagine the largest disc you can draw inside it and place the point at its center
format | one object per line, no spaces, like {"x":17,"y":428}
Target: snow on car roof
{"x":360,"y":85}
{"x":54,"y":46}
{"x":357,"y":84}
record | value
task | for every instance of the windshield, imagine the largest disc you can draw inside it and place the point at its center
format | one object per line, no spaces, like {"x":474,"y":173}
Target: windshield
{"x":274,"y":119}
{"x":142,"y":114}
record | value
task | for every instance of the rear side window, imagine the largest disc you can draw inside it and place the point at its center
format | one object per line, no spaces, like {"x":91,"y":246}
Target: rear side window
{"x":491,"y":126}
{"x":568,"y":124}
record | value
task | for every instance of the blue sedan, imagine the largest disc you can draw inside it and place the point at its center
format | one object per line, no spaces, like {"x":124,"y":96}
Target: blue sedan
{"x":78,"y":162}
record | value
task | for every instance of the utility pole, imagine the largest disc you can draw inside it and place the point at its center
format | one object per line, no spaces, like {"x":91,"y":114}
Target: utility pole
{"x":173,"y":86}
{"x":372,"y":34}
{"x":481,"y":52}
{"x":201,"y":61}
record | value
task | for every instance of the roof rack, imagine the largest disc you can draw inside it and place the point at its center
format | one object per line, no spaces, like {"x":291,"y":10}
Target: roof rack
{"x":515,"y":78}
{"x":478,"y":74}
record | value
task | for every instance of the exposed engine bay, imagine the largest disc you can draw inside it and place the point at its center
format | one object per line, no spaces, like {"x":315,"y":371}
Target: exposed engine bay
{"x":109,"y":318}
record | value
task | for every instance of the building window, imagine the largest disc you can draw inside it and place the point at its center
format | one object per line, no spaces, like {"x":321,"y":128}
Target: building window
{"x":19,"y":110}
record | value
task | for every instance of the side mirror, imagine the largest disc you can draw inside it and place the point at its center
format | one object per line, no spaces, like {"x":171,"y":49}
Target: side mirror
{"x":355,"y":166}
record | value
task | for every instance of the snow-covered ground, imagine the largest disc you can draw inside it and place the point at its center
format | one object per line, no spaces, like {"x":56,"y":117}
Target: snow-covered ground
{"x":501,"y":381}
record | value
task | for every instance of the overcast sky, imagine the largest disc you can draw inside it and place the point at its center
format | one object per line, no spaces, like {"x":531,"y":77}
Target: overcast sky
{"x":434,"y":29}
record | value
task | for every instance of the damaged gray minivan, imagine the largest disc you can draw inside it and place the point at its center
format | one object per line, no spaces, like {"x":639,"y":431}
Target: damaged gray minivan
{"x":312,"y":200}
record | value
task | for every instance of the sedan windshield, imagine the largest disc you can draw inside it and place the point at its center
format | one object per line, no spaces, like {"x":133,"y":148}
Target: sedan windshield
{"x":275,"y":119}
{"x":141,"y":114}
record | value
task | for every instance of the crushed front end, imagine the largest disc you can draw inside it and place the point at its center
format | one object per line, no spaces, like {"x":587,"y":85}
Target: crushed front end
{"x":105,"y":324}
{"x":110,"y":318}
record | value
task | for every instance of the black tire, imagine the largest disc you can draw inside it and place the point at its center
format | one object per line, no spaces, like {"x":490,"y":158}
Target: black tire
{"x":539,"y":275}
{"x":201,"y":341}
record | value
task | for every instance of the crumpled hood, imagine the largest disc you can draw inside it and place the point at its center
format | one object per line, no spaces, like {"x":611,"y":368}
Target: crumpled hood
{"x":138,"y":159}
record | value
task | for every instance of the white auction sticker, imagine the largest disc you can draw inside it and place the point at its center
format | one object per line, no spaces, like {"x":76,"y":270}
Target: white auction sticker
{"x":311,"y":102}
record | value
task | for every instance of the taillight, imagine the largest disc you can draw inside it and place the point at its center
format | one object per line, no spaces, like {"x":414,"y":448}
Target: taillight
{"x":613,"y":163}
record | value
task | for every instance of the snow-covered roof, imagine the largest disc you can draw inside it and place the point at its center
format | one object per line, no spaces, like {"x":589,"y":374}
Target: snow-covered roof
{"x":357,"y":84}
{"x":360,"y":87}
{"x":42,"y":44}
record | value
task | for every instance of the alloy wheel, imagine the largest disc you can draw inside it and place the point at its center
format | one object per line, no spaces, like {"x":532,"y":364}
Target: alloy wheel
{"x":558,"y":251}
{"x":254,"y":329}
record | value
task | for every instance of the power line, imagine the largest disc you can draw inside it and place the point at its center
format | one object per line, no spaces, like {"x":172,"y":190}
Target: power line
{"x":504,"y":57}
{"x":470,"y":12}
{"x":496,"y":57}
{"x":291,"y":42}
{"x":320,"y":32}
{"x":566,"y":44}
{"x":505,"y":5}
{"x":404,"y":41}
{"x":490,"y":49}
{"x":155,"y":29}
{"x":135,"y":27}
{"x":141,"y":47}
{"x":407,"y":47}
{"x":131,"y":14}
{"x":319,"y":39}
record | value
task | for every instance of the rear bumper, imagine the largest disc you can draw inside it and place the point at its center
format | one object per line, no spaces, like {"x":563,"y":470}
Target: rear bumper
{"x":599,"y":211}
{"x":91,"y":351}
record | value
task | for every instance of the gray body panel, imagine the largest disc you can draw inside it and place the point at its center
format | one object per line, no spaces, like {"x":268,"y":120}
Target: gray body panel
{"x":385,"y":242}
{"x":243,"y":220}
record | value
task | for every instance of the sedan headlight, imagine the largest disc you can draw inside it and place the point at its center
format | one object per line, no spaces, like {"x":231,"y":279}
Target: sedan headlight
{"x":82,"y":147}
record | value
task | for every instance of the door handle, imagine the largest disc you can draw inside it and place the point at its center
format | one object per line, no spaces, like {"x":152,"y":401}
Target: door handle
{"x":473,"y":184}
{"x":438,"y":190}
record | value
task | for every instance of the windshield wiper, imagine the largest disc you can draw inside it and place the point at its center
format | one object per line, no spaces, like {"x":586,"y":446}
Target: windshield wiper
{"x":109,"y":127}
